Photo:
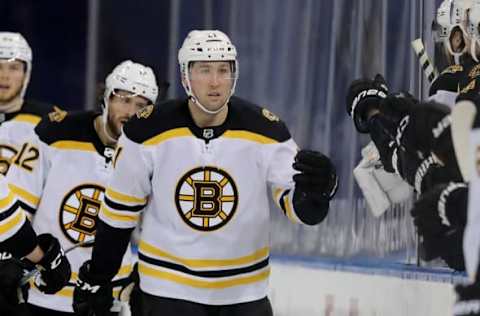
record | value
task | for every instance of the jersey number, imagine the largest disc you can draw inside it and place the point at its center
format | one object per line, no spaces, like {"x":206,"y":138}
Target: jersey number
{"x":26,"y":157}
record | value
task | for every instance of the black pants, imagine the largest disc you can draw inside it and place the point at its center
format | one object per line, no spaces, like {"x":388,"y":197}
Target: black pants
{"x":160,"y":306}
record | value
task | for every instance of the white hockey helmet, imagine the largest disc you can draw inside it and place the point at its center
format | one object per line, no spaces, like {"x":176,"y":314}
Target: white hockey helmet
{"x":206,"y":45}
{"x":134,"y":78}
{"x":13,"y":46}
{"x":452,"y":15}
{"x":473,"y":28}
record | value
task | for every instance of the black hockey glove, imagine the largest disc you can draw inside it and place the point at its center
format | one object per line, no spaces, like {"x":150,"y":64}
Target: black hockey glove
{"x":93,"y":294}
{"x":315,"y":185}
{"x":442,"y":207}
{"x":468,"y":300}
{"x":11,"y":271}
{"x":54,"y":267}
{"x":363,"y":96}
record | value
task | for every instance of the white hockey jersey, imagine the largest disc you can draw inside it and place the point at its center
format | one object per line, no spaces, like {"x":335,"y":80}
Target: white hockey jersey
{"x":204,"y":196}
{"x":17,"y":127}
{"x":64,"y":187}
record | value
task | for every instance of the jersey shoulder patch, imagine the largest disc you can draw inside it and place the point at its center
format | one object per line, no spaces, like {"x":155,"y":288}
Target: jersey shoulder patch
{"x":64,"y":126}
{"x":253,"y":118}
{"x":156,"y":119}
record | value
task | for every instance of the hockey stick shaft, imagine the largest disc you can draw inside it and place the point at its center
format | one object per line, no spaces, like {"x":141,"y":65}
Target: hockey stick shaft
{"x":30,"y":275}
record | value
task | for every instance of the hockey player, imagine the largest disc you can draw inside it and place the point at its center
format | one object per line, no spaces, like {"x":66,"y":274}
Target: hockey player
{"x":17,"y":241}
{"x":66,"y":184}
{"x":198,"y":169}
{"x":18,"y":117}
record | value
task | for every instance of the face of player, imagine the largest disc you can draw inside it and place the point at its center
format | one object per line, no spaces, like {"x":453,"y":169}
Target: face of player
{"x":122,"y":105}
{"x":12,"y":74}
{"x":457,"y":41}
{"x":211,"y":83}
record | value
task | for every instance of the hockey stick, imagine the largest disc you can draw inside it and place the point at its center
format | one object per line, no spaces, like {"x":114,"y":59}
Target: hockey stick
{"x":428,"y":68}
{"x":30,"y":275}
{"x":463,"y":115}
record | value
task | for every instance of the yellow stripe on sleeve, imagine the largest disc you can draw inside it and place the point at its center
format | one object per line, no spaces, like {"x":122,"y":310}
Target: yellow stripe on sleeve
{"x":12,"y":222}
{"x":7,"y":201}
{"x":25,"y":195}
{"x":124,"y":198}
{"x":118,"y":217}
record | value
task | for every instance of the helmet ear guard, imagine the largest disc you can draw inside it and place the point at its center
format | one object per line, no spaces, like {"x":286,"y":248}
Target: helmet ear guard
{"x":13,"y":46}
{"x":206,"y":45}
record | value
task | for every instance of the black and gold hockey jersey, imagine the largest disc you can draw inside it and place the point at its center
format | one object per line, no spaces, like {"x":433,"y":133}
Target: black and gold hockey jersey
{"x":204,"y":197}
{"x":18,"y":126}
{"x":64,"y":186}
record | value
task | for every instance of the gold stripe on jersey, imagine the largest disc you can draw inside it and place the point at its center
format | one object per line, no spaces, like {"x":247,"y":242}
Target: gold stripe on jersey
{"x":12,"y":223}
{"x":200,"y":283}
{"x":204,"y":263}
{"x":32,"y":199}
{"x":289,"y":209}
{"x":6,"y":201}
{"x":29,"y":118}
{"x":176,"y":132}
{"x":122,"y":216}
{"x":254,"y":137}
{"x":73,"y":145}
{"x":123,"y":198}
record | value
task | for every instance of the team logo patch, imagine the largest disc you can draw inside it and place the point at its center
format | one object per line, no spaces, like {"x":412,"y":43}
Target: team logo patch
{"x":145,"y":112}
{"x":270,"y":116}
{"x":79,"y":211}
{"x":57,"y":115}
{"x":206,"y":198}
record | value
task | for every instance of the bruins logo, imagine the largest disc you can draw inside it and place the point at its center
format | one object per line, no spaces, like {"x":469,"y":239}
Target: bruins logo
{"x":270,"y":116}
{"x":206,"y":198}
{"x":79,"y":211}
{"x":145,"y":112}
{"x":57,"y":115}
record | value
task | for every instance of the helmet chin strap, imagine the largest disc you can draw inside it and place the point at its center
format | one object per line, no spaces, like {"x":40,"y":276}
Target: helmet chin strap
{"x":204,"y":109}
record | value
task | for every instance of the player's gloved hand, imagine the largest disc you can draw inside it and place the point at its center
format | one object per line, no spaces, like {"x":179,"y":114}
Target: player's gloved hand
{"x":444,"y":206}
{"x":54,"y":267}
{"x":93,"y":294}
{"x":363,"y":96}
{"x":317,"y":177}
{"x":11,"y":271}
{"x":315,"y":185}
{"x":468,"y":300}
